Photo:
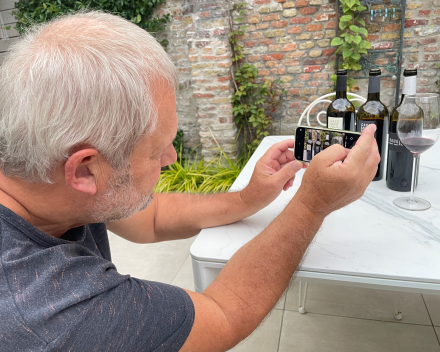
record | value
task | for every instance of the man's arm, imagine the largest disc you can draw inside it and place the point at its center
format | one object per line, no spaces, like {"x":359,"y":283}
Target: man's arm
{"x":252,"y":281}
{"x":177,"y":216}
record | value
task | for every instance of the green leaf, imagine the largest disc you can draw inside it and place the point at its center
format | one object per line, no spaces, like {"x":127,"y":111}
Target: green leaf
{"x":361,"y":8}
{"x":345,"y":18}
{"x":360,"y":21}
{"x":363,"y":31}
{"x":336,"y":41}
{"x":356,"y":56}
{"x":343,"y":25}
{"x":346,"y":53}
{"x":357,"y":39}
{"x":354,"y":28}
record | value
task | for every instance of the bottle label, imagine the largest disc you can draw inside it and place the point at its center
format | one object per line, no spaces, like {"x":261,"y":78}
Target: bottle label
{"x":361,"y":124}
{"x":309,"y":147}
{"x":409,"y":85}
{"x":395,"y":144}
{"x":335,"y":123}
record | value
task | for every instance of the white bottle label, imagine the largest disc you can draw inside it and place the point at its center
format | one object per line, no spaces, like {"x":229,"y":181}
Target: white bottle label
{"x":409,"y":85}
{"x":309,"y":147}
{"x":335,"y":123}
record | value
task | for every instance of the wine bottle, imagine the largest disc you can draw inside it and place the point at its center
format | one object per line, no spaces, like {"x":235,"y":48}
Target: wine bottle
{"x":326,"y":143}
{"x":318,"y":143}
{"x":341,"y":112}
{"x":400,"y":160}
{"x":309,"y":147}
{"x":373,"y":111}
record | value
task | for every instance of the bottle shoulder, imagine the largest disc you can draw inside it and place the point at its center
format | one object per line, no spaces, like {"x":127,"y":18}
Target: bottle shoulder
{"x":373,"y":107}
{"x":341,"y":104}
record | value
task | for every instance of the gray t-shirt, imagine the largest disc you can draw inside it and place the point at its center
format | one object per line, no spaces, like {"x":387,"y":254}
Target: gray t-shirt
{"x":64,"y":294}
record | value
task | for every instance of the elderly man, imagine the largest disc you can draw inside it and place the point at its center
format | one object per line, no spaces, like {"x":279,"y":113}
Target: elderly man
{"x":87,"y":121}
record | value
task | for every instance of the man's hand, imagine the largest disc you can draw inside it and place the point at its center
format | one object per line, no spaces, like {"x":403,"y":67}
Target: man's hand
{"x":274,"y":172}
{"x":338,"y":176}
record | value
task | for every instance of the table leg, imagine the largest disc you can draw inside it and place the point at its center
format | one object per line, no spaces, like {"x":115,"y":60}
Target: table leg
{"x":397,"y":306}
{"x":302,"y":305}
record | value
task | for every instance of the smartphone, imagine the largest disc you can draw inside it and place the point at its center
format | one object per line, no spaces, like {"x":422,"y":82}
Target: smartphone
{"x":309,"y":141}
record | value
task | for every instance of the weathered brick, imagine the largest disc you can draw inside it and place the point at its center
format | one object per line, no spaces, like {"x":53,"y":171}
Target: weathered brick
{"x":320,"y":76}
{"x":328,"y":8}
{"x":202,"y":65}
{"x":295,"y":69}
{"x":430,"y":48}
{"x":414,"y":23}
{"x":271,"y":17}
{"x":219,"y":31}
{"x":212,"y":57}
{"x":315,"y":84}
{"x":330,"y":24}
{"x":392,"y":27}
{"x":306,"y":45}
{"x":265,"y":41}
{"x":289,"y":13}
{"x":203,"y":95}
{"x":318,"y":35}
{"x":263,"y":72}
{"x":305,"y":36}
{"x":315,"y":68}
{"x":251,"y":28}
{"x":324,"y":17}
{"x":294,"y":30}
{"x":257,"y":35}
{"x":288,"y":5}
{"x":283,"y":40}
{"x":264,"y":9}
{"x":290,"y":62}
{"x":323,"y":43}
{"x":275,"y":33}
{"x":274,"y":47}
{"x":300,"y":20}
{"x":372,"y":37}
{"x":250,"y":43}
{"x":427,"y":41}
{"x":277,"y":56}
{"x":286,"y":78}
{"x":272,"y":64}
{"x":254,"y":19}
{"x":295,"y":55}
{"x":308,"y":91}
{"x":289,"y":47}
{"x":224,"y":78}
{"x":220,"y":51}
{"x":293,"y":91}
{"x":313,"y":27}
{"x":307,"y":10}
{"x":219,"y":100}
{"x":304,"y":77}
{"x":424,"y":12}
{"x":331,"y":33}
{"x":302,"y":3}
{"x":252,"y":58}
{"x":279,"y":24}
{"x":263,"y":25}
{"x":317,"y":61}
{"x":409,"y":42}
{"x":432,"y":57}
{"x":278,"y":71}
{"x":315,"y":2}
{"x":328,"y":52}
{"x":414,"y":57}
{"x":193,"y":58}
{"x":381,"y":62}
{"x":412,"y":6}
{"x":382,"y":45}
{"x":388,"y":36}
{"x":315,"y":53}
{"x":436,"y":20}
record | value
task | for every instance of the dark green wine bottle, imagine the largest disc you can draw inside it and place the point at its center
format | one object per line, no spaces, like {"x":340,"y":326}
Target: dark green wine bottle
{"x":341,"y":114}
{"x":375,"y":112}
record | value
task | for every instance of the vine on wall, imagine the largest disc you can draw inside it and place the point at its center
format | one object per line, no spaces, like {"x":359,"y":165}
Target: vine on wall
{"x":254,"y":101}
{"x":352,"y":41}
{"x":140,"y":12}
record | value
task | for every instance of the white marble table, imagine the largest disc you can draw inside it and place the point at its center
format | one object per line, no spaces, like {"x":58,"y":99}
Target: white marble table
{"x":370,"y":243}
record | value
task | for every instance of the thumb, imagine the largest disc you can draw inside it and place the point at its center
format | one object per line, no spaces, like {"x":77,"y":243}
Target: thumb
{"x":287,"y":172}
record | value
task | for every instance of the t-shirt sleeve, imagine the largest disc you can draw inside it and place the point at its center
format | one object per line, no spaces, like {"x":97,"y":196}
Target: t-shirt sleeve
{"x":136,"y":315}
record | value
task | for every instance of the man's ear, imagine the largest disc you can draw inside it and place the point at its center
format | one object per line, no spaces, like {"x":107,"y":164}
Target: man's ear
{"x":80,"y":170}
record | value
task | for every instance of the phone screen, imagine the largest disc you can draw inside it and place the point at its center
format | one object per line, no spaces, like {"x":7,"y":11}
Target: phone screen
{"x":309,"y":141}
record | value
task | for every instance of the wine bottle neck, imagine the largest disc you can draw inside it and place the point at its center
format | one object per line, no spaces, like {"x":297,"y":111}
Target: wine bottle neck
{"x":374,"y":88}
{"x":373,"y":96}
{"x":341,"y":87}
{"x":409,"y":85}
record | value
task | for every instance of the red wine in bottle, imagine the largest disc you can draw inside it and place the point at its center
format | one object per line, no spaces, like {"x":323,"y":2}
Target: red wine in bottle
{"x":373,"y":111}
{"x":341,"y":114}
{"x":400,"y":160}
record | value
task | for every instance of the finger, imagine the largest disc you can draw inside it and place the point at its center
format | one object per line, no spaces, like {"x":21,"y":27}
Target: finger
{"x":361,"y":151}
{"x":278,"y":149}
{"x":287,"y":172}
{"x":333,"y":154}
{"x":288,"y":184}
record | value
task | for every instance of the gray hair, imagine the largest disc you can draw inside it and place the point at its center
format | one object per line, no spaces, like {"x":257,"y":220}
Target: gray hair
{"x":81,"y":80}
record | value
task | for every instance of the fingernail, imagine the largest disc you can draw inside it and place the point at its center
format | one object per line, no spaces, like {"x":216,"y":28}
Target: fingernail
{"x":297,"y":165}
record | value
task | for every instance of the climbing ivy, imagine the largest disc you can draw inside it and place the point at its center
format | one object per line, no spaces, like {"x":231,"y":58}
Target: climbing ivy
{"x":140,"y":12}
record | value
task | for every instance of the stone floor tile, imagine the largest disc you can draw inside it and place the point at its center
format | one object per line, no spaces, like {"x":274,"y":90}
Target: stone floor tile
{"x":323,"y":333}
{"x":433,"y":304}
{"x":356,"y":302}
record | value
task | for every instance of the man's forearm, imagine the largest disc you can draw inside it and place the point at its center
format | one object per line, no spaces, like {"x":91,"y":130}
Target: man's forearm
{"x":259,"y":272}
{"x":184,"y":215}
